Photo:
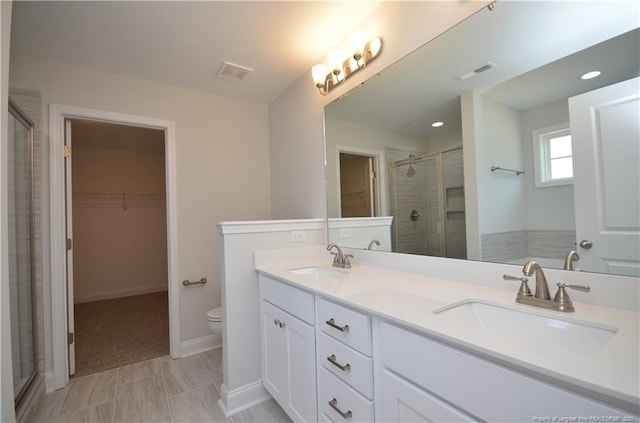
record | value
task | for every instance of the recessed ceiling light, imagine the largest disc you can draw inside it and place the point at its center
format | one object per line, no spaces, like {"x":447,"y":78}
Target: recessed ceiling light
{"x":437,"y":124}
{"x":591,"y":75}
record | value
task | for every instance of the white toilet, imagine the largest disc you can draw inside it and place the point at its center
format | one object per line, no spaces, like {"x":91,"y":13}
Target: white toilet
{"x":214,"y":317}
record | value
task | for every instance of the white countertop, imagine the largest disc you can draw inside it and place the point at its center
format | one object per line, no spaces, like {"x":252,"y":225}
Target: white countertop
{"x":611,"y":369}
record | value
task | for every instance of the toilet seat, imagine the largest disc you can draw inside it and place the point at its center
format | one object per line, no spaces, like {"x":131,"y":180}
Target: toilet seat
{"x":215,"y":315}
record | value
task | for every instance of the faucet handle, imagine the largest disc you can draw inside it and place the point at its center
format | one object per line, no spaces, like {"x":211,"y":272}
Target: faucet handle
{"x":583,"y":288}
{"x":524,"y":287}
{"x":347,"y":263}
{"x":562,"y":298}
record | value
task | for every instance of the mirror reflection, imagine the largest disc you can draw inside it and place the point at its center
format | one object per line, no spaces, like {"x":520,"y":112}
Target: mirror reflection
{"x":492,"y":142}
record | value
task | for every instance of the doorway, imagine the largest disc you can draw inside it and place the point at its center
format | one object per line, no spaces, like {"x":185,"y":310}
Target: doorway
{"x":358,"y":186}
{"x":118,"y":261}
{"x":61,"y":296}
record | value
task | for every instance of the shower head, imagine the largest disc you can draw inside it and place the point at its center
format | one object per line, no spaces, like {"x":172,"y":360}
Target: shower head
{"x":411,"y":171}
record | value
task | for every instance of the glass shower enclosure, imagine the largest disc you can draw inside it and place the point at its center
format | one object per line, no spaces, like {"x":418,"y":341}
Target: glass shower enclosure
{"x":21,"y":252}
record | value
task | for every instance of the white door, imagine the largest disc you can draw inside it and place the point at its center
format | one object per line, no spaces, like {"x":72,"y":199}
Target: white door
{"x":300,"y":350}
{"x":605,"y":132}
{"x":69,"y":236}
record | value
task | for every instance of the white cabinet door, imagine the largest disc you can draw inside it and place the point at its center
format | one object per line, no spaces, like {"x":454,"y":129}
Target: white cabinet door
{"x":605,"y":133}
{"x":289,"y":362}
{"x":401,"y":401}
{"x":273,"y":358}
{"x":299,"y":344}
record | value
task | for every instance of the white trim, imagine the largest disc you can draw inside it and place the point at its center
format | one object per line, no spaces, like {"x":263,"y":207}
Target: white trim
{"x":119,"y":293}
{"x":199,"y":345}
{"x":242,"y":398}
{"x":49,"y":382}
{"x":57,"y":114}
{"x":359,"y":222}
{"x":381,"y":175}
{"x":259,"y":226}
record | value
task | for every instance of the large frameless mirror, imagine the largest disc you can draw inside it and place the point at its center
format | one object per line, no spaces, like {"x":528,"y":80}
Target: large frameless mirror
{"x":477,"y":145}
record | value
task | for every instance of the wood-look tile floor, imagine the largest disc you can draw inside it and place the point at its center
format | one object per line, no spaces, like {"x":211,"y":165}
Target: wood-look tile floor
{"x":157,"y":390}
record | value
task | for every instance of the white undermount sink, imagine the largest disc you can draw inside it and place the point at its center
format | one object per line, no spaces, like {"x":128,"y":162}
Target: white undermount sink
{"x":526,"y":327}
{"x":319,"y":272}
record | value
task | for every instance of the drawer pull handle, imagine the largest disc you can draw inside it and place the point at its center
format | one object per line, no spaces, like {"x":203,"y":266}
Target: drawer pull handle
{"x":334,"y":404}
{"x":276,"y":322}
{"x":332,"y":323}
{"x":332,"y":360}
{"x":282,"y":324}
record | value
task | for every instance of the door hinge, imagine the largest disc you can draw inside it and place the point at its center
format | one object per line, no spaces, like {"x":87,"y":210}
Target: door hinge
{"x":372,"y":175}
{"x":70,"y":338}
{"x":67,"y":151}
{"x":69,"y":244}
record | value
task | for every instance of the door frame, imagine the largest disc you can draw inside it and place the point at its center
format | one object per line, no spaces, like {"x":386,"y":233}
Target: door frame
{"x":381,"y":208}
{"x":57,"y":115}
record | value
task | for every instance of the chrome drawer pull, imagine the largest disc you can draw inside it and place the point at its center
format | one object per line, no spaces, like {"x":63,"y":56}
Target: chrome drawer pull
{"x":334,"y":404}
{"x":332,"y":360}
{"x":332,"y":323}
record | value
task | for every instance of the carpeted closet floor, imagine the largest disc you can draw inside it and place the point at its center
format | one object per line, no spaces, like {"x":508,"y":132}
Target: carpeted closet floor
{"x":113,"y":333}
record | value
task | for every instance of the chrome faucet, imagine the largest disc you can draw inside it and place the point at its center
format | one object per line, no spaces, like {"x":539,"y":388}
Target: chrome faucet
{"x":372,"y":243}
{"x":571,"y":258}
{"x":542,"y":289}
{"x":560,"y":302}
{"x":339,"y":259}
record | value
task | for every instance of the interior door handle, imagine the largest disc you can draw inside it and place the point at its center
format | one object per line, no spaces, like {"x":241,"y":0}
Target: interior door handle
{"x":586,"y":244}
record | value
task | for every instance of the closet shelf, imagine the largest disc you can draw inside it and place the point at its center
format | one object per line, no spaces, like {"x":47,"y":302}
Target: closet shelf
{"x":123,"y":200}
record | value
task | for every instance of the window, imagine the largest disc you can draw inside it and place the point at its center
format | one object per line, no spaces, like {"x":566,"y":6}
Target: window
{"x":553,"y":161}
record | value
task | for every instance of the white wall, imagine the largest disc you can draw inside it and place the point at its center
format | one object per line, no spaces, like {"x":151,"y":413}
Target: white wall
{"x":120,"y":249}
{"x":501,"y":205}
{"x":539,"y":214}
{"x":7,"y":412}
{"x":242,"y":367}
{"x":296,"y":117}
{"x":222,"y":174}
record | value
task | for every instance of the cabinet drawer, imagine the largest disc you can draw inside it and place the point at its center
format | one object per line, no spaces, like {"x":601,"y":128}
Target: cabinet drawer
{"x":344,"y":398}
{"x":359,"y":371}
{"x":295,"y":301}
{"x":346,"y":325}
{"x":478,"y":387}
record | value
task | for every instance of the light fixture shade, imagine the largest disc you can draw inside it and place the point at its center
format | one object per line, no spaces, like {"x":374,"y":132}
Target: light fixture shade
{"x":319,"y":74}
{"x":374,"y":46}
{"x":357,"y":41}
{"x":336,"y":59}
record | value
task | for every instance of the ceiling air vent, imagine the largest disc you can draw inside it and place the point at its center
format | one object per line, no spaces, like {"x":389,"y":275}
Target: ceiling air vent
{"x":233,"y":72}
{"x":477,"y":71}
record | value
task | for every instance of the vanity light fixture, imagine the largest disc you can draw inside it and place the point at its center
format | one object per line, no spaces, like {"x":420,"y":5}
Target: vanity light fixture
{"x":341,"y":66}
{"x":437,"y":124}
{"x":590,"y":75}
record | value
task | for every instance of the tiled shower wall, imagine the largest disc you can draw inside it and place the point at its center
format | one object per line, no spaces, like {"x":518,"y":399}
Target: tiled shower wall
{"x":505,"y":247}
{"x":30,"y":103}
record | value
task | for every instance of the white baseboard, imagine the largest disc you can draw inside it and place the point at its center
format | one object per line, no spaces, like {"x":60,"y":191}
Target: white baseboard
{"x":242,"y":398}
{"x":49,"y":382}
{"x":119,"y":293}
{"x":198,"y":345}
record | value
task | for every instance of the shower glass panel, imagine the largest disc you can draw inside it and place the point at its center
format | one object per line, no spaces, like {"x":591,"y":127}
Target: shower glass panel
{"x":427,"y":203}
{"x":21,"y":280}
{"x":415,"y":192}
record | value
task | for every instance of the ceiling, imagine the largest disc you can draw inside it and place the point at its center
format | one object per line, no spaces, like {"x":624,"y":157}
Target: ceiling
{"x":533,"y":45}
{"x":185,"y":43}
{"x":106,"y":135}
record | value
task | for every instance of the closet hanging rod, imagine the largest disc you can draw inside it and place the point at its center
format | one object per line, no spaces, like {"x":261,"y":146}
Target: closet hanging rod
{"x":517,"y":172}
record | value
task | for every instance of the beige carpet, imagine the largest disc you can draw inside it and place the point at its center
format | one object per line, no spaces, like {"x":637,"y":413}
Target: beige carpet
{"x":113,"y":333}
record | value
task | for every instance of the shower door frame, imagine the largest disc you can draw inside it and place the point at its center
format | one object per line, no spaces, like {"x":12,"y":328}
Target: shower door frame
{"x":16,"y":112}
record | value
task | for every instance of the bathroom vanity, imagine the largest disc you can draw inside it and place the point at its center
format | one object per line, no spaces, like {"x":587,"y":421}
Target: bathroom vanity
{"x":372,"y":344}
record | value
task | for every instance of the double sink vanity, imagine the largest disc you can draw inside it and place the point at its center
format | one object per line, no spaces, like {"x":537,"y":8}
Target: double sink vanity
{"x":369,"y":344}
